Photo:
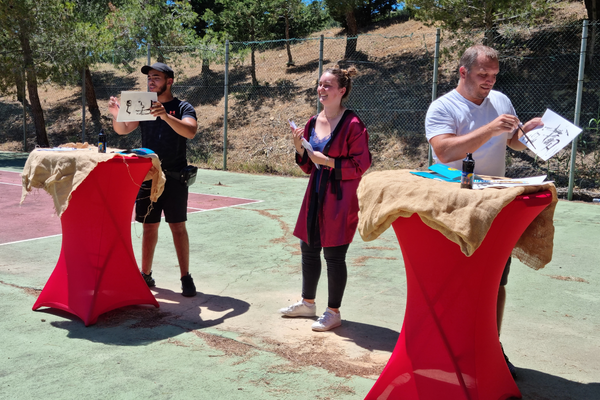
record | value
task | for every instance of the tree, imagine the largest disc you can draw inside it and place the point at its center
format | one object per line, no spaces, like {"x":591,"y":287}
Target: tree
{"x":89,"y":17}
{"x":355,"y":14}
{"x":32,"y":34}
{"x":287,"y":10}
{"x":137,"y":23}
{"x":456,"y":15}
{"x":593,"y":8}
{"x":242,"y":21}
{"x":207,"y":42}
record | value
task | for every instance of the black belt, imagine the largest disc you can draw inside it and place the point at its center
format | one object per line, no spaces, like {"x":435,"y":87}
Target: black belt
{"x":173,"y":174}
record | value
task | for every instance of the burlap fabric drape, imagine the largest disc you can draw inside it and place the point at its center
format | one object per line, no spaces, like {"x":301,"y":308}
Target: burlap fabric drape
{"x":59,"y":172}
{"x":463,"y":216}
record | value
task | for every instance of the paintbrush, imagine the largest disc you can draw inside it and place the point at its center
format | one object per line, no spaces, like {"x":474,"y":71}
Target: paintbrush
{"x":525,"y":135}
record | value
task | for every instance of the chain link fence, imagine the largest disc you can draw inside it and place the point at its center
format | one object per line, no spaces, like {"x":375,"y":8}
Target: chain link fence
{"x":271,"y":82}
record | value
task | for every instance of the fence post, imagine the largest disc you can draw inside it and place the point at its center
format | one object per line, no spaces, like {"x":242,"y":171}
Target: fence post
{"x":226,"y":95}
{"x":320,"y":70}
{"x":584,"y":35}
{"x":24,"y":113}
{"x":436,"y":58}
{"x":83,"y":99}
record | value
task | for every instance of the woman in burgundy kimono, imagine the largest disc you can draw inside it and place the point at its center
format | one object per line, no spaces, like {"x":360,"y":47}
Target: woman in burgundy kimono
{"x":333,"y":148}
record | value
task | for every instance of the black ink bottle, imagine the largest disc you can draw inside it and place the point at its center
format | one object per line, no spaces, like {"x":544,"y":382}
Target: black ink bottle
{"x":101,"y":142}
{"x":468,"y":168}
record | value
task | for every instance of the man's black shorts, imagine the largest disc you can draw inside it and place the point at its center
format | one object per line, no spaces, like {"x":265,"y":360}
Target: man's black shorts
{"x":173,"y":202}
{"x":504,"y":279}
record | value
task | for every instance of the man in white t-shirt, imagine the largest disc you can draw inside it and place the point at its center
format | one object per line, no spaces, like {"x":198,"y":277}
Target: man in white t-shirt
{"x":473,"y":118}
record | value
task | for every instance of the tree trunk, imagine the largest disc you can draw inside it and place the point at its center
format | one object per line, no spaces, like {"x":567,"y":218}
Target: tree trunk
{"x":490,"y":26}
{"x":160,"y":57}
{"x":591,"y":6}
{"x":252,"y":51}
{"x":592,"y":11}
{"x":31,"y":79}
{"x":205,"y":72}
{"x":287,"y":39}
{"x":90,"y":99}
{"x":18,"y":76}
{"x":253,"y":67}
{"x":351,"y":34}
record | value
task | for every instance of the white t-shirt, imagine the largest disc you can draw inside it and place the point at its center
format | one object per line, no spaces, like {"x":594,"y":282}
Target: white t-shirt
{"x":452,"y":113}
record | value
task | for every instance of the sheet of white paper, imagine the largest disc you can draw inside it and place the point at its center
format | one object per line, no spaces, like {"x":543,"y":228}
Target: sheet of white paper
{"x":135,"y":106}
{"x":309,"y":148}
{"x":549,"y":139}
{"x":307,"y":145}
{"x":529,"y":181}
{"x":59,"y":149}
{"x":292,"y":124}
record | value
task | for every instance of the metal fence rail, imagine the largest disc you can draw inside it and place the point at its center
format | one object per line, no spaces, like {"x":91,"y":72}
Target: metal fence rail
{"x":243,"y":125}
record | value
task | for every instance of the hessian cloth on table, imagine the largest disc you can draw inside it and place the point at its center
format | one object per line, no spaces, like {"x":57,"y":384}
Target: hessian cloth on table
{"x":60,"y":172}
{"x":461,"y":215}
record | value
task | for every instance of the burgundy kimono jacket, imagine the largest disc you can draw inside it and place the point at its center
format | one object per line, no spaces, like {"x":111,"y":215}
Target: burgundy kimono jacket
{"x":337,"y":205}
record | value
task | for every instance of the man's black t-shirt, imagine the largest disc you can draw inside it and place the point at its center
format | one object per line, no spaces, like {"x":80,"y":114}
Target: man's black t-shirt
{"x":159,"y":137}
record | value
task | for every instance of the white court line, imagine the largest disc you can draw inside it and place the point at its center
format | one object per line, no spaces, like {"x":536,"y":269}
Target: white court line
{"x":219,"y":195}
{"x":220,"y":208}
{"x":28,"y":240}
{"x":13,"y":184}
{"x":133,"y":222}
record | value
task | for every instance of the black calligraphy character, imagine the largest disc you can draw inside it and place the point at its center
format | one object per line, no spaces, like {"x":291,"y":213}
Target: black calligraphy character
{"x":553,"y":138}
{"x":142,"y":110}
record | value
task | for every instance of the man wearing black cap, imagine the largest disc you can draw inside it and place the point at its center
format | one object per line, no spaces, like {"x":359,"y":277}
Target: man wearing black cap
{"x":167,"y":137}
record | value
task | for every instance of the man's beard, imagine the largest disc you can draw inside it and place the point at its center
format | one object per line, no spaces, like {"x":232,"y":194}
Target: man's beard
{"x":161,"y":89}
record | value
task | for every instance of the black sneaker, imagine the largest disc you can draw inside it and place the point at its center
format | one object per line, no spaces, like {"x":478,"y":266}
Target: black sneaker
{"x":148,"y":279}
{"x":511,"y":368}
{"x":188,"y":289}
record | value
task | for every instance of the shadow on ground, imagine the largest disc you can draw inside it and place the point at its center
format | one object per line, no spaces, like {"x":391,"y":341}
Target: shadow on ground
{"x":536,"y":385}
{"x":370,"y":337}
{"x":140,"y":325}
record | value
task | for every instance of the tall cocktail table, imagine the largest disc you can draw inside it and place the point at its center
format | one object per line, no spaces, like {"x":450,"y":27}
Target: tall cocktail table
{"x":96,"y":271}
{"x":448,"y":346}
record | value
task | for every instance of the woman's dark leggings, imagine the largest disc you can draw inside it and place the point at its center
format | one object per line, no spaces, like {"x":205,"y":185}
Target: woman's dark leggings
{"x":337,"y":274}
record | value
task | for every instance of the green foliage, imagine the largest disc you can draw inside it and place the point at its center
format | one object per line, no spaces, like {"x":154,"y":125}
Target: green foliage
{"x":459,"y":16}
{"x":256,"y":20}
{"x":158,"y":22}
{"x":312,"y":17}
{"x":37,"y":34}
{"x":200,"y":7}
{"x":365,"y":11}
{"x":455,"y":15}
{"x":241,"y":20}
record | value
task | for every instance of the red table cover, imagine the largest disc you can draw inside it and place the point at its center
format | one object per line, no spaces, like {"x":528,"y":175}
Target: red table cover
{"x":448,"y":346}
{"x":97,"y":271}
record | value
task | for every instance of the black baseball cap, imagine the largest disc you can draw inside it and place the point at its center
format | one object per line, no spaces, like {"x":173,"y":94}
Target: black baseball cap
{"x":159,"y":67}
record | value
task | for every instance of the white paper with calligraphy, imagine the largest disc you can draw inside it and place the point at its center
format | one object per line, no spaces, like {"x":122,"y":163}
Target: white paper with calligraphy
{"x":549,"y":139}
{"x":135,"y":106}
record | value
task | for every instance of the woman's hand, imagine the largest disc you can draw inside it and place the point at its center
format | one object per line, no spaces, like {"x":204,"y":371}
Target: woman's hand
{"x":319,"y":158}
{"x":297,"y":139}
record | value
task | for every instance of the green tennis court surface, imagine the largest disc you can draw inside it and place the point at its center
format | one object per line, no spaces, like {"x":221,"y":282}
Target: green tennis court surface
{"x":229,"y":342}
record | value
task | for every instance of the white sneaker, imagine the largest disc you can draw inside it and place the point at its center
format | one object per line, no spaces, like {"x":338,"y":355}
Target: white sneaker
{"x":329,"y":320}
{"x":300,"y":309}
